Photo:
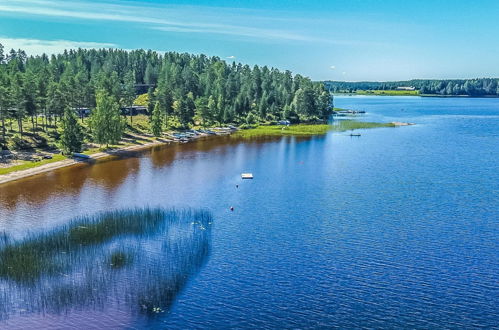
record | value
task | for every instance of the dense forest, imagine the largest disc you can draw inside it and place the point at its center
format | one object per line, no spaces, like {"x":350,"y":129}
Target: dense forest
{"x":469,"y":87}
{"x":182,"y":90}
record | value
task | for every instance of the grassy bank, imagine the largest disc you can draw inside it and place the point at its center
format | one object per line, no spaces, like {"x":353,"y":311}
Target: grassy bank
{"x":308,"y":129}
{"x":275,"y":130}
{"x":25,"y":165}
{"x":349,"y":125}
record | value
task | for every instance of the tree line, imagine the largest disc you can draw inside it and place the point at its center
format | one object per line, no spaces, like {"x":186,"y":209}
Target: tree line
{"x":469,"y":87}
{"x":182,"y":89}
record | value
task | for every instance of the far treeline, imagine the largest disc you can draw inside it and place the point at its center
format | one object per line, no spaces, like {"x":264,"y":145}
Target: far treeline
{"x":181,"y":91}
{"x":468,"y":87}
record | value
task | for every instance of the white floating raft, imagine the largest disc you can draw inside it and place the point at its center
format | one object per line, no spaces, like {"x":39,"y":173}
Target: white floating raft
{"x":247,"y":176}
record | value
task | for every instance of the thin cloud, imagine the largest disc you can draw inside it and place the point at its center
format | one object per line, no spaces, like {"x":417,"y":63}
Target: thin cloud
{"x":37,"y":46}
{"x":138,"y":14}
{"x":238,"y":31}
{"x":169,"y":18}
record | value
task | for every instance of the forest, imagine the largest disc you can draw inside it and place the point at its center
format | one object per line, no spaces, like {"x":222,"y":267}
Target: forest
{"x":181,"y":90}
{"x":468,"y":87}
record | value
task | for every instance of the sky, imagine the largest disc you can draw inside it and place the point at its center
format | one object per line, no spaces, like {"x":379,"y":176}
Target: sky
{"x":350,"y":40}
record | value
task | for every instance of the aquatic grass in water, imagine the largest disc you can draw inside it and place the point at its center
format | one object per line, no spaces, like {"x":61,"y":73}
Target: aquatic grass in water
{"x":350,"y":125}
{"x":308,"y":129}
{"x":139,"y":258}
{"x":293,"y":130}
{"x":119,"y":259}
{"x":27,"y":259}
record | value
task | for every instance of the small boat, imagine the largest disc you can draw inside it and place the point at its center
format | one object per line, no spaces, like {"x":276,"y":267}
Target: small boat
{"x":354,"y":134}
{"x":247,"y":176}
{"x":76,"y":154}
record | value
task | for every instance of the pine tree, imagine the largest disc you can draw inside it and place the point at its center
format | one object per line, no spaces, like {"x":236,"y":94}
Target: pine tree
{"x":105,"y":122}
{"x":56,"y":101}
{"x":71,"y":135}
{"x":4,"y":106}
{"x":129,"y":92}
{"x":157,"y":120}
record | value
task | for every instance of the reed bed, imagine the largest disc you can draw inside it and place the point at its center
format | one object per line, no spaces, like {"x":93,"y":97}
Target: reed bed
{"x":350,"y":125}
{"x":137,"y":259}
{"x":275,"y":130}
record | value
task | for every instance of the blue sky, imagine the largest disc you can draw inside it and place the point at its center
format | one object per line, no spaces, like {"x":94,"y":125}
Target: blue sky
{"x":330,"y":39}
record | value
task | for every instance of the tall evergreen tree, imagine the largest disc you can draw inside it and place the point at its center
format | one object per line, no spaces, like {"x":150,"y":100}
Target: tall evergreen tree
{"x":71,"y":132}
{"x":157,"y":120}
{"x":129,"y":92}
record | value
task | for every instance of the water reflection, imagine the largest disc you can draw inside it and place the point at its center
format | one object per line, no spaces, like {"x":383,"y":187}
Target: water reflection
{"x":112,"y":172}
{"x":133,"y":262}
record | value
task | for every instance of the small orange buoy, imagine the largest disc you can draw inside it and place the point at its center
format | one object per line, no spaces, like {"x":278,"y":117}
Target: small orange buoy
{"x":232,"y":208}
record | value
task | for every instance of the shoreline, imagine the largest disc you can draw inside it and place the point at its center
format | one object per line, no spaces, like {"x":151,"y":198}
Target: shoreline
{"x":22,"y":174}
{"x":166,"y":139}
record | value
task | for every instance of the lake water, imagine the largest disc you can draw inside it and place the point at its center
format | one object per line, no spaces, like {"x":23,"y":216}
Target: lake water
{"x":398,"y":228}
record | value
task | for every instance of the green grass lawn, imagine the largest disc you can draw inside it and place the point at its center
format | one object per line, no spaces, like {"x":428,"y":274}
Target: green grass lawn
{"x":29,"y":164}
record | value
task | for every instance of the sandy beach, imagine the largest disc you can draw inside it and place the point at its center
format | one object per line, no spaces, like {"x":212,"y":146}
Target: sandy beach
{"x":17,"y":175}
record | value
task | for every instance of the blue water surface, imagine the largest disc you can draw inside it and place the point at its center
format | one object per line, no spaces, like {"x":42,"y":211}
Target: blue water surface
{"x":397,"y":228}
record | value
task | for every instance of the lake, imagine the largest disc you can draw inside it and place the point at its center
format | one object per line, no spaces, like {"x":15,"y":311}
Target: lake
{"x":397,"y":228}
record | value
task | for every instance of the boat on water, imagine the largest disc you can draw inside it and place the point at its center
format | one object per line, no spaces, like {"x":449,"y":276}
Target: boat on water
{"x":247,"y":176}
{"x":354,"y":134}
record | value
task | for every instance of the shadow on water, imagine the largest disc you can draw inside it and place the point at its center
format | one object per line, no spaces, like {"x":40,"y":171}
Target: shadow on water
{"x":134,"y":261}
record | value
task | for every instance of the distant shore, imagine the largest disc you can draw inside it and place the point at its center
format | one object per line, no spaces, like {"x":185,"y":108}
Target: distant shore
{"x":388,"y":93}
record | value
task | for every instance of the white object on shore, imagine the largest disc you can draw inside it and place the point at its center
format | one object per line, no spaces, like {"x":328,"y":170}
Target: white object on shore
{"x":247,"y":176}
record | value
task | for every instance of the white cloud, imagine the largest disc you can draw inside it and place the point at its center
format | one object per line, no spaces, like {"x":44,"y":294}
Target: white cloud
{"x":332,"y":67}
{"x":36,"y":46}
{"x":165,"y":18}
{"x":343,"y":73}
{"x":168,"y":18}
{"x":258,"y":25}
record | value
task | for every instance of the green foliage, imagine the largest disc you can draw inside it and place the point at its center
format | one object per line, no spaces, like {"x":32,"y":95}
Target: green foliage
{"x":157,"y":120}
{"x":17,"y":142}
{"x":106,"y":123}
{"x":191,"y":89}
{"x":71,"y":133}
{"x":142,"y":100}
{"x":251,"y":119}
{"x":452,"y":87}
